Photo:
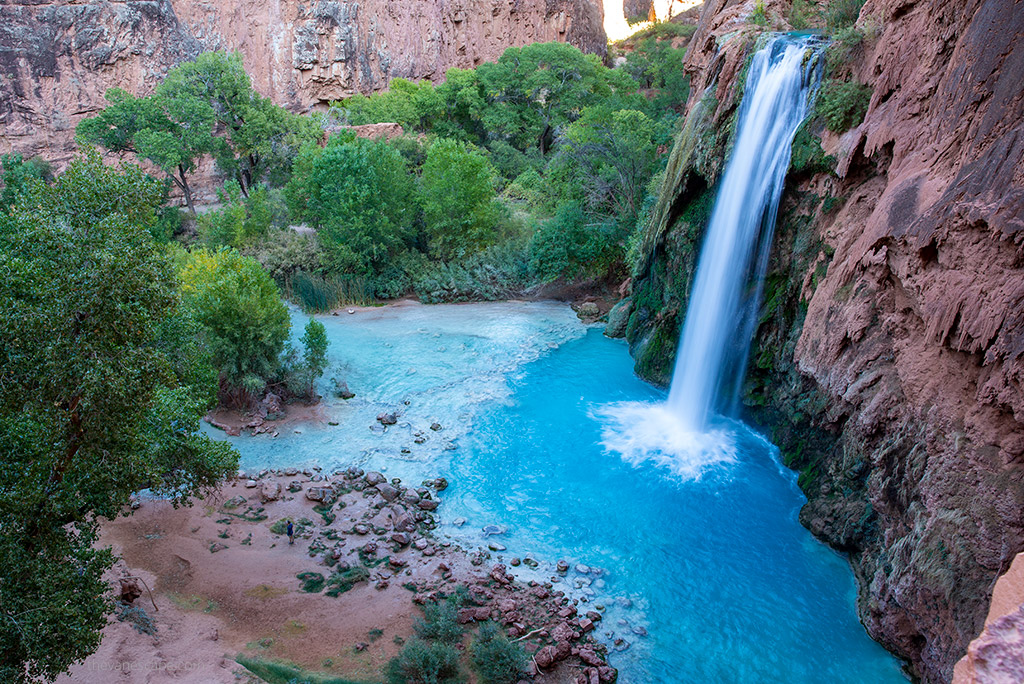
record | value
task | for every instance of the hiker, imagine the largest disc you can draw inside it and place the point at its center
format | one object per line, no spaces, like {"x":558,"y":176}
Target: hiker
{"x":291,"y":531}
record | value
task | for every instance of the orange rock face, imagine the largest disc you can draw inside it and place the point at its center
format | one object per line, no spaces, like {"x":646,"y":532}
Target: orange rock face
{"x":58,"y":58}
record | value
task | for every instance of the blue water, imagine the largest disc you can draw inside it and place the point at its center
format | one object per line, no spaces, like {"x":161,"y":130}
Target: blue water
{"x":708,"y":575}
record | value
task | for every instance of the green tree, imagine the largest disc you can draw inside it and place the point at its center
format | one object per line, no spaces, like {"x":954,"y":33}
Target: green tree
{"x":314,"y":352}
{"x":238,"y":221}
{"x":459,"y":205}
{"x":173,"y":135}
{"x":571,"y":245}
{"x":100,"y":396}
{"x":260,"y":138}
{"x":531,"y":91}
{"x":17,"y":176}
{"x":244,"y":322}
{"x":362,"y":201}
{"x":614,"y":154}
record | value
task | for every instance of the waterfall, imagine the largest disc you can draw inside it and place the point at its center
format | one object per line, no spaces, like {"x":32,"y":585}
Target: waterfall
{"x":679,"y":434}
{"x":725,"y":297}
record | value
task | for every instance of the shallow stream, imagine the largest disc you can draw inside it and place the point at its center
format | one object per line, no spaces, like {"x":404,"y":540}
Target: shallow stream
{"x":706,"y":573}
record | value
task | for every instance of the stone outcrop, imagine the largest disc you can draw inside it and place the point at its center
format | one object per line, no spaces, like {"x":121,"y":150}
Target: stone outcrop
{"x":888,"y":363}
{"x":58,"y":58}
{"x":997,"y":655}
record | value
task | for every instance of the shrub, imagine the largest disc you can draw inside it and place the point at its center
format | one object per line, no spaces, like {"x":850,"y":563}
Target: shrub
{"x":495,"y":658}
{"x":137,"y":617}
{"x":570,"y":246}
{"x":498,"y":272}
{"x":840,"y":14}
{"x":342,"y":581}
{"x":274,"y":672}
{"x":759,"y":16}
{"x":843,"y":104}
{"x":421,"y":663}
{"x":440,"y":623}
{"x":282,"y":253}
{"x":803,"y":15}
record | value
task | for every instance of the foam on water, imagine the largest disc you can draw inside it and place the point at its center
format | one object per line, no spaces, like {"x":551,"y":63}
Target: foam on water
{"x":643,"y":432}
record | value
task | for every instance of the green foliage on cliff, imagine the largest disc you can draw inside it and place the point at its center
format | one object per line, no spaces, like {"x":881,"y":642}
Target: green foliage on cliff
{"x":843,"y":104}
{"x":808,"y":157}
{"x":103,"y":386}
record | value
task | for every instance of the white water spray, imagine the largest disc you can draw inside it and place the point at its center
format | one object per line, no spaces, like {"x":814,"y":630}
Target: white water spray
{"x":725,"y":297}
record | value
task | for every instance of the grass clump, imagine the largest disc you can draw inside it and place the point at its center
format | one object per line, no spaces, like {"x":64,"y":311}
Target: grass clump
{"x":843,"y":104}
{"x":420,"y":662}
{"x":342,"y":581}
{"x":277,"y":672}
{"x":312,"y":582}
{"x":496,"y":659}
{"x":317,"y":294}
{"x":324,"y":510}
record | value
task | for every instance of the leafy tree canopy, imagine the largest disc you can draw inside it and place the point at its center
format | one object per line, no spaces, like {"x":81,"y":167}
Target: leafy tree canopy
{"x":244,"y":323}
{"x":101,"y":391}
{"x":362,"y":201}
{"x":459,"y":205}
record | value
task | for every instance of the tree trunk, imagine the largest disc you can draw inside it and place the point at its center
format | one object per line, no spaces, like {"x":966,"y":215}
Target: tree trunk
{"x":185,"y":189}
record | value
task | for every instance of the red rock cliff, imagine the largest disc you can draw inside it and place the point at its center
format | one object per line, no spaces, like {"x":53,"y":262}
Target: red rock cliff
{"x":58,"y":57}
{"x":890,"y":359}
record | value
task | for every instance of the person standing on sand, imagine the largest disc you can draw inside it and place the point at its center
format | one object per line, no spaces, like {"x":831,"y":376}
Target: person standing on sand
{"x":291,"y":531}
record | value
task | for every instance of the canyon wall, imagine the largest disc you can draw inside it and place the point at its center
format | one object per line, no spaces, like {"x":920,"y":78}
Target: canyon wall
{"x":888,"y":360}
{"x":58,"y":57}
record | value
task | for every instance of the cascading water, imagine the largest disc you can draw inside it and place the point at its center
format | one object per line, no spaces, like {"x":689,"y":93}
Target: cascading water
{"x":726,"y":294}
{"x":719,"y":320}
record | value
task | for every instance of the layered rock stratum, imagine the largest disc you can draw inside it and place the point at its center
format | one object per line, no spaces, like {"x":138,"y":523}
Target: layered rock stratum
{"x":888,"y":361}
{"x":58,"y":57}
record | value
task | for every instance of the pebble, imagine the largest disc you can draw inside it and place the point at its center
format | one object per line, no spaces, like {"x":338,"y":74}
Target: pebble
{"x":497,"y":547}
{"x":459,"y":522}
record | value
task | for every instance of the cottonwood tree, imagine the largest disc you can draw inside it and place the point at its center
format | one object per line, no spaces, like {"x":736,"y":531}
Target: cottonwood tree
{"x":102,"y":387}
{"x":459,"y":204}
{"x":172,"y":134}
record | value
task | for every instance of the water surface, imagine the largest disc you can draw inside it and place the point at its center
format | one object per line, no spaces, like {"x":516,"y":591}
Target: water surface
{"x":707,"y":575}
